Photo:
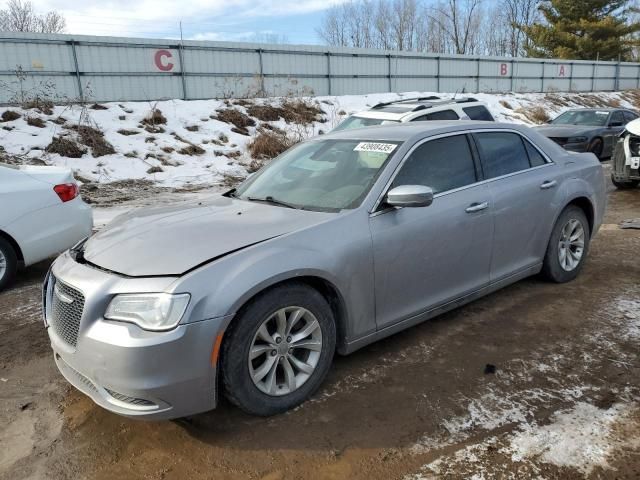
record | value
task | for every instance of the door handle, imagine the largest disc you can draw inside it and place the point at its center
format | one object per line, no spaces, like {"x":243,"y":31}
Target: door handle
{"x":548,"y":184}
{"x":476,"y":207}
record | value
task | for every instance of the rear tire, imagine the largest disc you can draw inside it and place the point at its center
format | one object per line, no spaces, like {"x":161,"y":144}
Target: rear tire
{"x":625,"y":185}
{"x":8,"y":263}
{"x":257,"y":328}
{"x":570,"y":234}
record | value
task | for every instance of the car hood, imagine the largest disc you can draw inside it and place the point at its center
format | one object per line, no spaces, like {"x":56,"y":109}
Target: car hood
{"x":172,"y":240}
{"x":566,"y":130}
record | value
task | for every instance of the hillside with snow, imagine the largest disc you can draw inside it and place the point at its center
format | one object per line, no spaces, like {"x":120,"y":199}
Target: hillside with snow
{"x":189,"y":143}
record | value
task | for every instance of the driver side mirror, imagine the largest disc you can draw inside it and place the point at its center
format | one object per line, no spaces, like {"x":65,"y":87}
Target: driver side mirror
{"x":410,"y":196}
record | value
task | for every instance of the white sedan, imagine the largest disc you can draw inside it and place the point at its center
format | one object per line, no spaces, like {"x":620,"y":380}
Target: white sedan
{"x":41,"y":214}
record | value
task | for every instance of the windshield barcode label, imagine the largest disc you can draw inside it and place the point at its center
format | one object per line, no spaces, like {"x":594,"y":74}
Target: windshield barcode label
{"x":375,"y":147}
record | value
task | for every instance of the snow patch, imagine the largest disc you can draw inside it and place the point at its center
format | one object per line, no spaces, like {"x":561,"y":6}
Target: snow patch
{"x":579,"y":438}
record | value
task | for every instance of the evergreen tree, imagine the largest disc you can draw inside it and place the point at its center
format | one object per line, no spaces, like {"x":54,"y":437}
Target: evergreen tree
{"x":582,"y":30}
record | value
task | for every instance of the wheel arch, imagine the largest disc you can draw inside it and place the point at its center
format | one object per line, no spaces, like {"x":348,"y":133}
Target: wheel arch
{"x":326,"y":288}
{"x":14,"y":244}
{"x":586,"y":206}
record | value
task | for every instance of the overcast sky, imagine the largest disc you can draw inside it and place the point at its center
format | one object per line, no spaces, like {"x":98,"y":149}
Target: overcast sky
{"x":201,"y":19}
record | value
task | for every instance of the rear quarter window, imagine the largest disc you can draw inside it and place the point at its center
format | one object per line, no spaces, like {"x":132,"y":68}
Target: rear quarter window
{"x":478,"y":112}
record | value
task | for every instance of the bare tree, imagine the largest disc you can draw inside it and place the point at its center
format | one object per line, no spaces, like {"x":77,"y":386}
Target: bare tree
{"x":20,"y":16}
{"x":461,"y":21}
{"x":518,"y":13}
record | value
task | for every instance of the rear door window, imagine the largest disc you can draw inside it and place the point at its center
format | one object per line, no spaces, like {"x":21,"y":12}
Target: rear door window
{"x":441,"y":115}
{"x":629,"y":116}
{"x":442,"y":164}
{"x":478,"y":112}
{"x":501,"y":153}
{"x":617,"y":119}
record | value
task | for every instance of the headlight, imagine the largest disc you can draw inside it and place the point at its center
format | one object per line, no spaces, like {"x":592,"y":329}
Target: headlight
{"x":577,"y":140}
{"x":150,"y":311}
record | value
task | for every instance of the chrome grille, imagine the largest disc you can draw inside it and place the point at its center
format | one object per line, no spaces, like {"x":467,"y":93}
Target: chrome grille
{"x":131,"y":400}
{"x":67,"y":305}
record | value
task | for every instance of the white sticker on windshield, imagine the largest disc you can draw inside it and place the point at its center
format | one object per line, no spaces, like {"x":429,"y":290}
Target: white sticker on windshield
{"x":375,"y":147}
{"x":602,"y":113}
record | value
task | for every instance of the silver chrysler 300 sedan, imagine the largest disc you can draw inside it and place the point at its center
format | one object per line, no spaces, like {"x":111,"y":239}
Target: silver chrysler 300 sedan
{"x":340,"y":241}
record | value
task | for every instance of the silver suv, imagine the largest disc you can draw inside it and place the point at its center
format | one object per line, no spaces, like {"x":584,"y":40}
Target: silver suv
{"x":418,"y":109}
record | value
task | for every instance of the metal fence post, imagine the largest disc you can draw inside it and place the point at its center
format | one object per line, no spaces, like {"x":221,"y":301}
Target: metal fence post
{"x":571,"y":64}
{"x":75,"y":63}
{"x":261,"y":72}
{"x":329,"y":71}
{"x":593,"y":76}
{"x":182,"y":72}
{"x":389,"y":64}
{"x":616,"y":86}
{"x":512,"y":73}
{"x":478,"y":75}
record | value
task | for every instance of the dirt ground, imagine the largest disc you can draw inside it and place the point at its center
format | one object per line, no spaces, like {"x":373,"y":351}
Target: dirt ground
{"x":535,"y":381}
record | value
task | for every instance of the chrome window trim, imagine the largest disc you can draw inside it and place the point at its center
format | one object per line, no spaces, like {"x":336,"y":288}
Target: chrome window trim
{"x":374,"y":211}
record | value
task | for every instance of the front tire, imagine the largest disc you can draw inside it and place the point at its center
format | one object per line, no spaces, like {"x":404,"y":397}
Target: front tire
{"x":278,"y":350}
{"x":8,"y":263}
{"x":568,"y":246}
{"x":596,"y":147}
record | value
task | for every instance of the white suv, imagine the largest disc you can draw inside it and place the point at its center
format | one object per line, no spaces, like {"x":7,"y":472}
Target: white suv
{"x":418,"y":110}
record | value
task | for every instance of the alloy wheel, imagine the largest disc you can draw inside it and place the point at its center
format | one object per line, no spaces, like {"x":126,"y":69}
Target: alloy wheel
{"x":3,"y":265}
{"x":285,"y":351}
{"x":571,"y":245}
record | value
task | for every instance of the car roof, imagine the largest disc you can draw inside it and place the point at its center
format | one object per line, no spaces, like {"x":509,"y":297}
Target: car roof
{"x":402,"y":132}
{"x":605,"y":109}
{"x":398,"y":109}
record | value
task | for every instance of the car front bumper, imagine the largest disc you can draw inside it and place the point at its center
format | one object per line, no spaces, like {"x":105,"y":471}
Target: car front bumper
{"x":576,"y":147}
{"x":127,"y":370}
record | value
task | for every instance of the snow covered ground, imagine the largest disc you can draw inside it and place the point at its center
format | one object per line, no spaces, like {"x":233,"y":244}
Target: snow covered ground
{"x":138,"y":152}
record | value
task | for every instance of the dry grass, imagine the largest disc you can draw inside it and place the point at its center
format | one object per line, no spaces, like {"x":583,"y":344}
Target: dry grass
{"x":65,"y":147}
{"x":230,"y":180}
{"x":239,"y":120}
{"x":535,"y":114}
{"x":128,"y":133}
{"x":633,"y":97}
{"x":43,"y":106}
{"x":168,"y":149}
{"x":36,"y":122}
{"x":506,"y":104}
{"x":94,"y":139}
{"x":302,"y":111}
{"x":97,"y":106}
{"x":192,"y":128}
{"x":192,"y":150}
{"x":155,"y":169}
{"x":155,"y":117}
{"x":9,"y":116}
{"x":266,"y":113}
{"x":267,"y":145}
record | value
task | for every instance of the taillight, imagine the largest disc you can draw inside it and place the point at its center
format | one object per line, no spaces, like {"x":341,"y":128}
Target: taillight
{"x":66,"y":191}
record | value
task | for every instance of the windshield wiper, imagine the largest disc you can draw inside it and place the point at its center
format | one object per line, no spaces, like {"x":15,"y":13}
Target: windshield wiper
{"x":273,"y":201}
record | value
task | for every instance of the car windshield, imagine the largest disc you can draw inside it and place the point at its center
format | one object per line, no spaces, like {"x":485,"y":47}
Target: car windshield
{"x":595,"y":118}
{"x":361,"y":122}
{"x":321,"y":175}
